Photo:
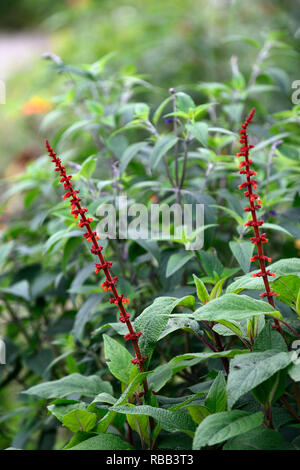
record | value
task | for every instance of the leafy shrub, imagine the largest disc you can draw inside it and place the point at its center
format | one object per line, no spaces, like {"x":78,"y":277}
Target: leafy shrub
{"x":217,"y":371}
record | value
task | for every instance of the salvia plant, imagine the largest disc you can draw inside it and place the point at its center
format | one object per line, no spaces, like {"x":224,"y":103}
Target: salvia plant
{"x":204,"y":356}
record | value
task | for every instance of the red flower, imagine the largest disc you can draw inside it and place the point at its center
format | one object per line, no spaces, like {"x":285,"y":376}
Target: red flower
{"x":251,"y":184}
{"x":90,"y":236}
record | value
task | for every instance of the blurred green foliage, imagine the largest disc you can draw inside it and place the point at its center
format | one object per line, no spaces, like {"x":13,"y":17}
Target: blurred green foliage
{"x":170,"y":43}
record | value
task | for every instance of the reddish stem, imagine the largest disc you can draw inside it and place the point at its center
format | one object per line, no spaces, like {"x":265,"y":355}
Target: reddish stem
{"x":109,"y":283}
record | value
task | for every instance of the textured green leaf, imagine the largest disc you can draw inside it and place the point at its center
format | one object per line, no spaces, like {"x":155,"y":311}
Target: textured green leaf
{"x":287,"y":288}
{"x":103,"y":442}
{"x":223,"y":426}
{"x":153,"y":320}
{"x":232,"y":307}
{"x":202,"y":293}
{"x":269,"y":338}
{"x":79,"y":420}
{"x":118,"y":359}
{"x":171,"y":421}
{"x":75,"y":383}
{"x":216,"y":400}
{"x":59,"y":411}
{"x":242,"y":252}
{"x":260,"y":438}
{"x":249,"y":370}
{"x":190,"y":359}
{"x":284,"y":267}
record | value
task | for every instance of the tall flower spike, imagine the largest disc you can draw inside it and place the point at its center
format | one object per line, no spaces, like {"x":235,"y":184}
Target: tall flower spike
{"x":109,"y":283}
{"x":254,"y":204}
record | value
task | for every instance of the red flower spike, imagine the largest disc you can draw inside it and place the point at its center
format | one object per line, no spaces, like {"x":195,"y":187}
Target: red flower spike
{"x":269,"y":294}
{"x":255,"y":202}
{"x":90,"y":236}
{"x":139,"y":360}
{"x":131,"y":336}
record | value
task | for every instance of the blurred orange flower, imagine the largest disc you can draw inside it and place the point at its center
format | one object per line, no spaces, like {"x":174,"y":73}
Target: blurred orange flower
{"x":154,"y":198}
{"x":36,"y":105}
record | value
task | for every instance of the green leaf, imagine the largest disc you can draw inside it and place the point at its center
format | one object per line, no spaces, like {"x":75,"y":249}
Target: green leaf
{"x":184,"y":102}
{"x":20,"y":289}
{"x":58,"y":236}
{"x":161,"y":147}
{"x":84,"y":314}
{"x":177,"y":261}
{"x":88,"y":167}
{"x":248,"y":371}
{"x":132,"y":387}
{"x":198,"y":413}
{"x":153,"y":320}
{"x":259,"y":439}
{"x":161,"y":375}
{"x":284,"y":267}
{"x":139,"y":424}
{"x":270,"y":390}
{"x":141,"y":111}
{"x":233,"y":214}
{"x":242,"y":251}
{"x":294,"y":370}
{"x":199,"y":130}
{"x":75,"y":127}
{"x":118,"y":359}
{"x":269,"y":141}
{"x":60,"y":410}
{"x":77,"y":439}
{"x":223,"y":426}
{"x":104,"y":398}
{"x":232,"y":307}
{"x":217,"y":289}
{"x":79,"y":420}
{"x":216,"y":400}
{"x":298,"y":302}
{"x":211,"y":263}
{"x":202,"y":293}
{"x":226,"y":328}
{"x":278,"y":228}
{"x":269,"y":338}
{"x":5,"y":250}
{"x":94,"y":107}
{"x":171,"y":421}
{"x":129,"y":153}
{"x":190,"y":359}
{"x":75,"y":383}
{"x":103,"y":442}
{"x":287,"y":288}
{"x":160,"y":109}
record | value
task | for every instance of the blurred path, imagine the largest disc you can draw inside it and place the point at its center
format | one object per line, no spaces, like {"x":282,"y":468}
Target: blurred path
{"x":18,"y":49}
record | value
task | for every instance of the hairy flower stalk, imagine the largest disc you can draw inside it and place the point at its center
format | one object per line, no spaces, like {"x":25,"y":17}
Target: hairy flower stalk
{"x":254,"y":204}
{"x":110,"y":283}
